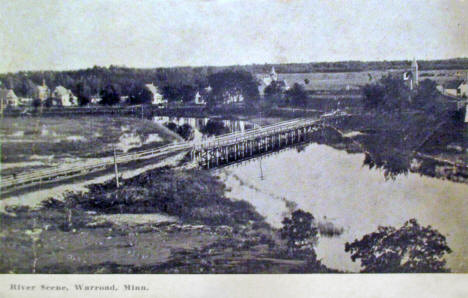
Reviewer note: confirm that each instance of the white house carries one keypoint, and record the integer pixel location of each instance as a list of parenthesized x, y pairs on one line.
[(457, 88), (95, 99), (42, 92), (270, 78), (64, 97), (200, 97), (8, 98), (157, 96)]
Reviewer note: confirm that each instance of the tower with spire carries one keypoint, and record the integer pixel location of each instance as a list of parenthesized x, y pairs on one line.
[(412, 76), (273, 74), (415, 72)]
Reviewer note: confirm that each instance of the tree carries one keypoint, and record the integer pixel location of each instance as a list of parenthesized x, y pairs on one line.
[(171, 93), (139, 94), (389, 93), (27, 88), (214, 127), (426, 96), (412, 248), (275, 90), (297, 95), (300, 232), (110, 95), (187, 93), (373, 95), (229, 83), (83, 93)]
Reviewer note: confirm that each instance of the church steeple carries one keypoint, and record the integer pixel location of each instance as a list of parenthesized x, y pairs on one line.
[(273, 74), (415, 71)]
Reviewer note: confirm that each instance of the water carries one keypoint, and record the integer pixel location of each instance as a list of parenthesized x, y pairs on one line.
[(199, 123), (334, 186)]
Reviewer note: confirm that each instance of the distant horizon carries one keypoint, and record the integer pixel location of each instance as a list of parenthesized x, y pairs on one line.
[(230, 65)]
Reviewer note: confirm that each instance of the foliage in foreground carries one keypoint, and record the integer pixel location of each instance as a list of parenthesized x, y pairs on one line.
[(411, 248)]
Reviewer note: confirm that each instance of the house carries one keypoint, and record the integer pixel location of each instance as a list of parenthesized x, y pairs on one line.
[(457, 88), (8, 98), (269, 79), (157, 96), (61, 96), (42, 92), (124, 98), (199, 99), (232, 98), (95, 99), (201, 96)]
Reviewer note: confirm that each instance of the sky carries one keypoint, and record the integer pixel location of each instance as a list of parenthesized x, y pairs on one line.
[(61, 35)]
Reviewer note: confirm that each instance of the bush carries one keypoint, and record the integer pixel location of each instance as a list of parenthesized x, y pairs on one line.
[(412, 248), (301, 234)]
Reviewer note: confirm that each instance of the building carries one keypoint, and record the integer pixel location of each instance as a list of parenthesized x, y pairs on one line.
[(267, 80), (199, 99), (201, 96), (233, 98), (61, 96), (8, 97), (157, 98), (95, 99), (458, 88), (42, 92), (412, 76)]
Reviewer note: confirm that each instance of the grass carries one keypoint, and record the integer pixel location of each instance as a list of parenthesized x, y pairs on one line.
[(213, 234), (44, 141), (339, 80)]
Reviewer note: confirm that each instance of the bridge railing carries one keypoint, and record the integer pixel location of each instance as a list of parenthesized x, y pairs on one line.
[(47, 174), (230, 139), (87, 167)]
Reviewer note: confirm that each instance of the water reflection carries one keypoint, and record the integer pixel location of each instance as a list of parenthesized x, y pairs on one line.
[(332, 184), (200, 124)]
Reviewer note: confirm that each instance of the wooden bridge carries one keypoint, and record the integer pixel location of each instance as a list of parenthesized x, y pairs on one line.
[(207, 153), (240, 146)]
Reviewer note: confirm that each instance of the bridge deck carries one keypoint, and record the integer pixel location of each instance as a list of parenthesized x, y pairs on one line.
[(59, 173)]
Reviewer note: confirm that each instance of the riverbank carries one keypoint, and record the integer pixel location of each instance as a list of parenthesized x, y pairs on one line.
[(402, 143), (190, 226)]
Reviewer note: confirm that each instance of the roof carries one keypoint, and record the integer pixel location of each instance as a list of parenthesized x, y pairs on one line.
[(152, 88), (5, 93), (454, 84), (61, 91)]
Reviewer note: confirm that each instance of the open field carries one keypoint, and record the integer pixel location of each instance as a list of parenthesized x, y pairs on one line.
[(39, 142), (340, 80)]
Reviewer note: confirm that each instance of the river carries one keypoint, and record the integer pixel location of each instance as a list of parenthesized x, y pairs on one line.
[(335, 187), (199, 123)]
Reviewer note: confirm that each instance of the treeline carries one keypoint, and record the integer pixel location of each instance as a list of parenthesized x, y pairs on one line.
[(176, 82), (352, 66)]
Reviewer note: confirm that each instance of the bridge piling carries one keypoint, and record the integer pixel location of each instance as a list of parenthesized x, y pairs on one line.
[(250, 143)]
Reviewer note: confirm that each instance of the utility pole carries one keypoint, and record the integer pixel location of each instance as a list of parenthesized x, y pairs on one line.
[(116, 170), (261, 170)]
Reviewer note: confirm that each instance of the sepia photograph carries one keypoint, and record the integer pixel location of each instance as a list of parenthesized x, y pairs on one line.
[(231, 137)]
